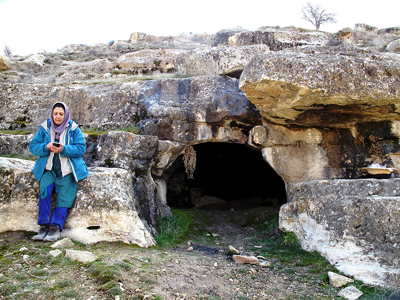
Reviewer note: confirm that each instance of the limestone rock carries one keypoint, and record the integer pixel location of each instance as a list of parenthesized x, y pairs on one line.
[(15, 144), (166, 153), (97, 65), (150, 59), (353, 223), (222, 36), (105, 208), (265, 264), (64, 243), (126, 150), (55, 253), (337, 280), (242, 259), (34, 63), (234, 251), (19, 192), (350, 293), (392, 30), (74, 48), (198, 109), (279, 40), (217, 60), (394, 46), (81, 256), (5, 63), (324, 86)]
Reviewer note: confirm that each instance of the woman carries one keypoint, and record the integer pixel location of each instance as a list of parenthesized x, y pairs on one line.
[(60, 145)]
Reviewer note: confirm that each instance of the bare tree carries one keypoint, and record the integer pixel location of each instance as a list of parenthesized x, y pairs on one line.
[(317, 16), (7, 51)]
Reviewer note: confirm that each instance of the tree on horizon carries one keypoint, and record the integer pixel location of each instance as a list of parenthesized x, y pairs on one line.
[(317, 16)]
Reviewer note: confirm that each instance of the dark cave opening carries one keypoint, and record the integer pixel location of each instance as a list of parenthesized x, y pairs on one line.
[(227, 176)]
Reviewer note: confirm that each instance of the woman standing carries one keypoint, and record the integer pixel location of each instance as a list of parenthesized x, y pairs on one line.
[(60, 145)]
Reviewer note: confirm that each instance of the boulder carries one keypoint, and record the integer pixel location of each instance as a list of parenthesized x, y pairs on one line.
[(33, 63), (279, 40), (394, 46), (142, 61), (217, 60), (85, 257), (323, 87), (366, 28), (352, 223), (97, 65), (5, 63), (350, 293), (105, 208), (338, 280), (126, 150), (243, 259), (222, 36), (15, 144), (392, 30)]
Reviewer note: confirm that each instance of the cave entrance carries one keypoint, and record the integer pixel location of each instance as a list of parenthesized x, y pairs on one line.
[(227, 176)]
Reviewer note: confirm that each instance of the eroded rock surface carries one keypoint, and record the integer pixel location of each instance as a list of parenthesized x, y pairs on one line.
[(105, 208), (323, 87), (353, 223)]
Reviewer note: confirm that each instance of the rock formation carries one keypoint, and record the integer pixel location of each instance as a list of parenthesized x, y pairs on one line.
[(316, 106)]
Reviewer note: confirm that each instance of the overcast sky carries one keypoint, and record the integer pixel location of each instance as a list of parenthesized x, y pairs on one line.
[(31, 26)]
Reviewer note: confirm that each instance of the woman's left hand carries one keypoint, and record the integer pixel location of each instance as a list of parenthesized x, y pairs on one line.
[(56, 149)]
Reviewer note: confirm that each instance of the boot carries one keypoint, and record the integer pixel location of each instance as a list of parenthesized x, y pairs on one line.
[(42, 233), (53, 234)]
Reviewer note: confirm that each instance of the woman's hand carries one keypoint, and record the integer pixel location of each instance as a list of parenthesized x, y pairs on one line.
[(53, 148)]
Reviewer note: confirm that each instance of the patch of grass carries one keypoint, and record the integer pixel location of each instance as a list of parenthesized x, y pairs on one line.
[(64, 283), (94, 132), (103, 272), (8, 289), (20, 156), (242, 271), (70, 294), (123, 265), (17, 131), (171, 230)]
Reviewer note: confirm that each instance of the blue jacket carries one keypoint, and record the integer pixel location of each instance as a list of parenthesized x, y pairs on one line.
[(74, 147)]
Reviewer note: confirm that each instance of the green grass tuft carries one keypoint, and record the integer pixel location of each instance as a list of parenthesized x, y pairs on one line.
[(103, 272), (171, 230)]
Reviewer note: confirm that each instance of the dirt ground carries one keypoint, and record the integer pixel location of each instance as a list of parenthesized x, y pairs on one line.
[(200, 267)]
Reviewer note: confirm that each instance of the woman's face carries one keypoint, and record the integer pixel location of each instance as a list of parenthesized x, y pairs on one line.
[(58, 115)]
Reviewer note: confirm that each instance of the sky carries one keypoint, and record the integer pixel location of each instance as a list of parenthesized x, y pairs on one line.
[(33, 26)]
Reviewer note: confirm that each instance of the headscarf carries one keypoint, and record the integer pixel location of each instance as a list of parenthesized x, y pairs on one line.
[(59, 128)]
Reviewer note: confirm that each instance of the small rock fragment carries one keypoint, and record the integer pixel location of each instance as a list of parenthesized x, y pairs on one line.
[(190, 249), (23, 249), (64, 243), (337, 280), (233, 251), (55, 253), (245, 259), (81, 256), (350, 293), (265, 264)]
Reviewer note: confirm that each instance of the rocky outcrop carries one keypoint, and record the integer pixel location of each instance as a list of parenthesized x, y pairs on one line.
[(147, 61), (106, 206), (215, 61), (198, 109), (323, 87), (353, 223)]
